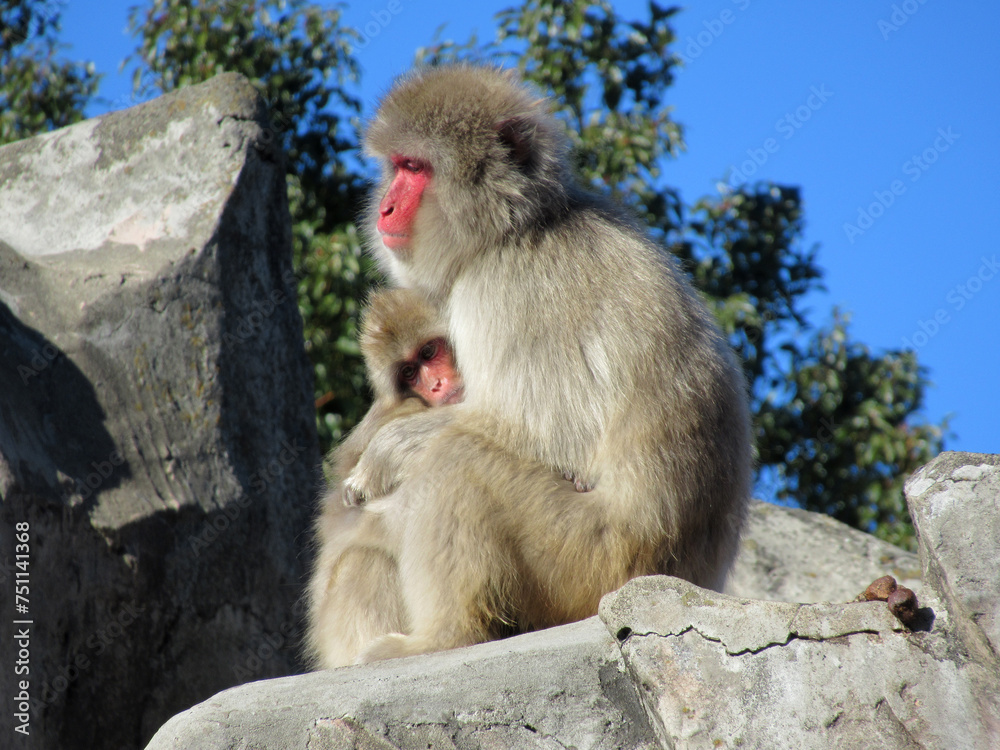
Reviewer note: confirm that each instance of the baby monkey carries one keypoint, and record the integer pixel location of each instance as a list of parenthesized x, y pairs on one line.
[(410, 368), (406, 352), (353, 592)]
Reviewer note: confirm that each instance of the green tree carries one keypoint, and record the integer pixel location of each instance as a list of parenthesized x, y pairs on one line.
[(39, 91)]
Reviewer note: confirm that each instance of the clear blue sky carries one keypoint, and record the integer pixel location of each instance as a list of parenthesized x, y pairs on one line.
[(892, 100)]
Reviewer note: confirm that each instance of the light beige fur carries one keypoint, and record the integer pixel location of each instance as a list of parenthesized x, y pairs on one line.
[(353, 593), (585, 351)]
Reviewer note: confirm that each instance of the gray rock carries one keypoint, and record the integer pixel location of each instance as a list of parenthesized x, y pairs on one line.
[(558, 688), (669, 606), (156, 427), (717, 671), (722, 671), (793, 555), (955, 504)]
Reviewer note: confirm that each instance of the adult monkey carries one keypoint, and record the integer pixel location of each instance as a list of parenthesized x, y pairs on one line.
[(584, 350)]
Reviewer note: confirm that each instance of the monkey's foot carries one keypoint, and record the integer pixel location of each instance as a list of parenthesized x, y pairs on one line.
[(391, 646)]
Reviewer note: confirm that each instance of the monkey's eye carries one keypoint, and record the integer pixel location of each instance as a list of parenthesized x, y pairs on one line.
[(401, 163), (429, 351), (408, 374)]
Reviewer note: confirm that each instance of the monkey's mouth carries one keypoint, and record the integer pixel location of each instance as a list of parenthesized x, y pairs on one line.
[(455, 396), (395, 241)]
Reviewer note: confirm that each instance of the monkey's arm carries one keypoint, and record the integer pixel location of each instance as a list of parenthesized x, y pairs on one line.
[(349, 452), (390, 452)]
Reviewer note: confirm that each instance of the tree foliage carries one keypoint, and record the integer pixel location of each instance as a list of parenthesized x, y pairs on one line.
[(840, 431), (836, 424), (39, 91)]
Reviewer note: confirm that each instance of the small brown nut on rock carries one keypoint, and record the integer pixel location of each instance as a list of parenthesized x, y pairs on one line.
[(879, 589), (903, 604)]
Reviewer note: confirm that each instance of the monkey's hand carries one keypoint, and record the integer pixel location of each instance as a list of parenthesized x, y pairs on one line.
[(580, 485), (391, 453), (351, 495)]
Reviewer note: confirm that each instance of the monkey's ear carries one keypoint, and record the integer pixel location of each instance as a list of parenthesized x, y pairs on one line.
[(517, 134)]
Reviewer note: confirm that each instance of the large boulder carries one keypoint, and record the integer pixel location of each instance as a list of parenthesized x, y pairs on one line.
[(158, 451), (717, 671), (955, 504), (563, 687)]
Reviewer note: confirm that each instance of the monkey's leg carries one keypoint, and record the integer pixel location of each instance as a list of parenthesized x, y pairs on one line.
[(458, 572), (354, 594), (537, 554), (362, 603)]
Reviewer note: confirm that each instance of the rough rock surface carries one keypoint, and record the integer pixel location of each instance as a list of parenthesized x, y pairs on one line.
[(717, 671), (793, 555), (955, 504), (156, 426), (564, 687)]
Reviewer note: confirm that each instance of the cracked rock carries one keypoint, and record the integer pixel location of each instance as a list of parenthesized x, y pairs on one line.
[(716, 671), (955, 504), (663, 605), (720, 671)]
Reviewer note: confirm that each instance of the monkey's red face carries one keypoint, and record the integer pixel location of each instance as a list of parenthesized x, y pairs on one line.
[(398, 208), (431, 374)]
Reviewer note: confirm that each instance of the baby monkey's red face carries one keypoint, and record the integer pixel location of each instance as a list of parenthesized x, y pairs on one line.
[(430, 373)]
